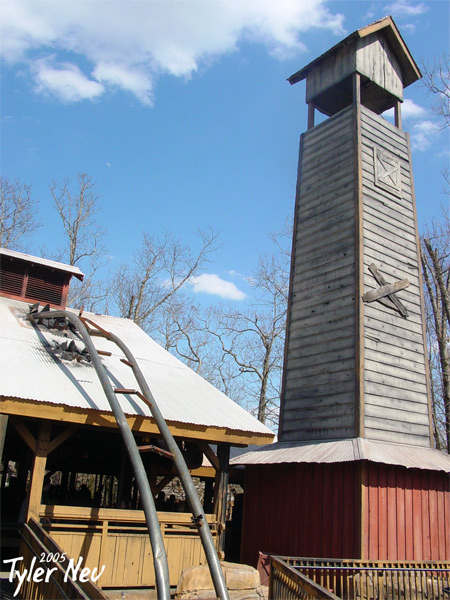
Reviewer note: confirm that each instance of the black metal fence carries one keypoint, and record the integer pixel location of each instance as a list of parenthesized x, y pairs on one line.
[(291, 578)]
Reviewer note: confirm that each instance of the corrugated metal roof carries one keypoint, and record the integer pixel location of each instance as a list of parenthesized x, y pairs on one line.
[(32, 369), (412, 457), (42, 261)]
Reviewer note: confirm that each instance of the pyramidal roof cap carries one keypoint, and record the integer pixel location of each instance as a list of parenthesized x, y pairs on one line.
[(410, 70)]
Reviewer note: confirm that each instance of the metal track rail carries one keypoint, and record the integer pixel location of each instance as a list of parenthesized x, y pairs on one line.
[(148, 504), (146, 395)]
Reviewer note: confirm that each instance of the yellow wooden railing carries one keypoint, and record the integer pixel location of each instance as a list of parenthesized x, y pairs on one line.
[(44, 573), (118, 540)]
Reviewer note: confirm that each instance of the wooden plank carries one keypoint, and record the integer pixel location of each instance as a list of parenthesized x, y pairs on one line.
[(391, 514), (319, 363), (376, 390), (321, 296), (392, 413), (383, 376), (385, 290), (299, 335), (327, 268), (413, 404), (388, 218), (396, 437), (400, 232), (318, 228), (379, 322), (330, 314), (315, 248), (332, 282), (315, 193), (393, 319), (394, 347), (332, 126), (314, 406), (336, 343), (326, 377), (383, 137), (396, 361), (318, 389), (319, 435), (376, 240), (397, 427)]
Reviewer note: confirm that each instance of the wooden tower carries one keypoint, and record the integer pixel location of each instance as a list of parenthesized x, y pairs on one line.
[(355, 355), (354, 460)]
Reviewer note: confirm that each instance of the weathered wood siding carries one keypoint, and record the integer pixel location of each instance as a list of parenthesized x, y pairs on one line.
[(375, 60), (395, 385), (319, 377)]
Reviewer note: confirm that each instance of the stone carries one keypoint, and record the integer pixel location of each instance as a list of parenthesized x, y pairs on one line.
[(243, 583)]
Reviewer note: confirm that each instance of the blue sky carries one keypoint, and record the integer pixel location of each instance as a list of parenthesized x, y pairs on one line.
[(181, 112)]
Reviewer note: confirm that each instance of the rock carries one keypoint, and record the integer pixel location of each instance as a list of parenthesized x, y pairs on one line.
[(242, 581)]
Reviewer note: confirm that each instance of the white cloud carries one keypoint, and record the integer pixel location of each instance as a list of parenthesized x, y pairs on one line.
[(406, 8), (411, 110), (422, 130), (422, 135), (66, 82), (210, 283), (128, 43)]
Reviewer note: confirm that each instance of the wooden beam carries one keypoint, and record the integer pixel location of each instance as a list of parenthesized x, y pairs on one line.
[(3, 428), (62, 437), (38, 471), (356, 88), (84, 416), (25, 434), (220, 495), (162, 484), (386, 290), (398, 114), (311, 112), (208, 452), (379, 278)]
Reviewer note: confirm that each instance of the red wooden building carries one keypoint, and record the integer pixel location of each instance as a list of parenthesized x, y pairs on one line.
[(354, 474)]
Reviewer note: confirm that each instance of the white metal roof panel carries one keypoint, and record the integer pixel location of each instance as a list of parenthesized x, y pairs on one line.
[(42, 261), (32, 369), (412, 457)]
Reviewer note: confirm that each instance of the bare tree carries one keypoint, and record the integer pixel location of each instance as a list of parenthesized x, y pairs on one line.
[(435, 258), (141, 291), (17, 214), (84, 236), (252, 340), (436, 79)]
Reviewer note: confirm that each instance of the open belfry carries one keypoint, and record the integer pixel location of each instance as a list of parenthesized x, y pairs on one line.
[(354, 473)]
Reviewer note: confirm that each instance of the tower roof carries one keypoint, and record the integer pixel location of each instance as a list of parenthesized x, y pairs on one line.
[(386, 25)]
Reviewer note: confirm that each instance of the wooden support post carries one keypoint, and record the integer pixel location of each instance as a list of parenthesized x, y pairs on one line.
[(38, 471), (220, 495), (3, 427), (398, 114), (311, 112), (356, 88)]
